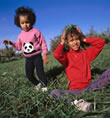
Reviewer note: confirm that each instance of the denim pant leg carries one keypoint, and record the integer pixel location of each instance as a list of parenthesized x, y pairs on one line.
[(29, 68), (38, 62), (103, 79)]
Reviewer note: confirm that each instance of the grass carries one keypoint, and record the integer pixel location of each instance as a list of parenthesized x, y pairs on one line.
[(19, 99)]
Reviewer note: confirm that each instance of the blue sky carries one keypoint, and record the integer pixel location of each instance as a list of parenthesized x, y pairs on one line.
[(54, 15)]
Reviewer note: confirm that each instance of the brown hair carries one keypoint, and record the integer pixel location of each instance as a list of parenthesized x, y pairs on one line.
[(24, 11), (71, 30)]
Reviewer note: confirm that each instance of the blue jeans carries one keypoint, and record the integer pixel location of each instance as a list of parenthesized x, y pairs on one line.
[(35, 62)]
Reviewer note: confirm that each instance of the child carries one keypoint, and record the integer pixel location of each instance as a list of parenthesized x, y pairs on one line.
[(32, 43), (77, 62)]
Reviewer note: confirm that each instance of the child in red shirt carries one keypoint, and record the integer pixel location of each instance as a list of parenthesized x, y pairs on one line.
[(77, 62)]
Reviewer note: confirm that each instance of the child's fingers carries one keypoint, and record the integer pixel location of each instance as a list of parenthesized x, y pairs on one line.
[(62, 38), (63, 34), (46, 61), (9, 42), (78, 29), (5, 41)]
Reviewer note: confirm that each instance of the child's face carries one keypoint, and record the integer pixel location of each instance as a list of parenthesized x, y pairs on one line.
[(73, 42), (24, 23)]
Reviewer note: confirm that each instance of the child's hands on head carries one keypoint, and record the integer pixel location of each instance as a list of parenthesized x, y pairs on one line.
[(63, 38), (83, 36), (7, 42), (78, 29), (45, 59)]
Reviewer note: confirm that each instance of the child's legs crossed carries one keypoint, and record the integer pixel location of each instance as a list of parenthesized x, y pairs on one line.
[(29, 68), (103, 79), (38, 62)]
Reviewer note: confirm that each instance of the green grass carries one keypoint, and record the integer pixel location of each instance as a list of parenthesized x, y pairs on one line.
[(19, 99)]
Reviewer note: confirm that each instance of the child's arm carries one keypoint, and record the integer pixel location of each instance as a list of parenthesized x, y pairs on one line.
[(44, 49), (8, 42), (16, 45), (63, 38), (83, 36), (59, 54), (97, 44)]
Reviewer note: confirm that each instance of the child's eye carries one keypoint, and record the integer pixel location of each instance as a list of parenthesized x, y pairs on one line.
[(27, 22), (22, 23), (71, 40)]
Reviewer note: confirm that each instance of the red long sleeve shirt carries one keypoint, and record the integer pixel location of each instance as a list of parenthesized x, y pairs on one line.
[(77, 63)]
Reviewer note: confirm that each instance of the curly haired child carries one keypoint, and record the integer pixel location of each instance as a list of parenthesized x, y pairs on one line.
[(32, 43)]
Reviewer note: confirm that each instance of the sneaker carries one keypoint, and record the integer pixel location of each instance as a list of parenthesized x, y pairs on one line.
[(40, 87), (44, 89), (82, 105)]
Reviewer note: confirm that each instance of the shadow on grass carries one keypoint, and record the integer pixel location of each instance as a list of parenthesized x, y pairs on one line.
[(97, 71), (54, 72)]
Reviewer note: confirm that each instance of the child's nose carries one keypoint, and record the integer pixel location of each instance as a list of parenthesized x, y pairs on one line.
[(25, 24), (75, 41)]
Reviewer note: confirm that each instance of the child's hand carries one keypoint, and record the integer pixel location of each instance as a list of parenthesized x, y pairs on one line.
[(63, 38), (7, 42), (84, 40), (78, 29), (45, 59), (83, 36)]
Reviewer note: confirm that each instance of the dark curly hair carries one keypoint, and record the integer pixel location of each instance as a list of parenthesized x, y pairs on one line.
[(71, 30), (25, 12)]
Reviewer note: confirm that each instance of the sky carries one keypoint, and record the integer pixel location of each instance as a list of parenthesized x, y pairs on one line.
[(54, 15)]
